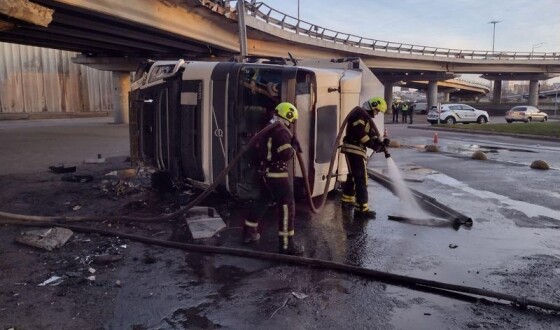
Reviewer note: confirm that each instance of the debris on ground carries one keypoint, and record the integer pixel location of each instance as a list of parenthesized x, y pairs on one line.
[(453, 246), (299, 295), (204, 222), (52, 281), (62, 169), (47, 239), (104, 259), (82, 178), (98, 160)]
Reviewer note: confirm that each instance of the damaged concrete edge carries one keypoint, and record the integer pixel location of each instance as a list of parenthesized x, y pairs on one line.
[(26, 11)]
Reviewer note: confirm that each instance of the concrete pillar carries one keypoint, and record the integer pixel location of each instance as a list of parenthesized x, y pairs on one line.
[(497, 97), (388, 95), (446, 96), (121, 87), (534, 93), (431, 96)]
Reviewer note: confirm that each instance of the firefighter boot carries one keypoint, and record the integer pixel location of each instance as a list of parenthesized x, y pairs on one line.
[(364, 214), (250, 235), (292, 248), (348, 202)]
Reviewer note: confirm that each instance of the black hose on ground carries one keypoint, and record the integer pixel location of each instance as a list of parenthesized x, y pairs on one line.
[(194, 202), (407, 281)]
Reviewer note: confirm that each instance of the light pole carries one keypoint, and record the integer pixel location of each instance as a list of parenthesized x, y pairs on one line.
[(298, 10), (494, 22), (540, 44)]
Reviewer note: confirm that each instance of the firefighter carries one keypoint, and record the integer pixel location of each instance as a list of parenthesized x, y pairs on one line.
[(360, 135), (278, 148)]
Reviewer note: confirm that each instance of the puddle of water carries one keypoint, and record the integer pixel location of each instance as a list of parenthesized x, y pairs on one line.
[(531, 210)]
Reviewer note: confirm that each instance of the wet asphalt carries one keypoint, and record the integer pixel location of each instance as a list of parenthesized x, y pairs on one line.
[(512, 247)]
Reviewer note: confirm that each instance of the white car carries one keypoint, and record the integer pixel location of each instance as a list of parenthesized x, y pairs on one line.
[(457, 113)]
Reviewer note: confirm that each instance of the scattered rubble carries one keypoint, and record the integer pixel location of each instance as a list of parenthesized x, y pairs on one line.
[(47, 239)]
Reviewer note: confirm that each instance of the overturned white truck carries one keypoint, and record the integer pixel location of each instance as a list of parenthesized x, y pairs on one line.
[(191, 118)]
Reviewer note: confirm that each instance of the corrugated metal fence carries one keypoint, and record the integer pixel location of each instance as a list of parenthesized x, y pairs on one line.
[(41, 80)]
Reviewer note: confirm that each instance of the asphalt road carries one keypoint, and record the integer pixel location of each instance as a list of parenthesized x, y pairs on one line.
[(512, 247)]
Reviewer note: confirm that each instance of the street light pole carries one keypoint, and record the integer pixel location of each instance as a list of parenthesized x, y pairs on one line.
[(536, 46), (298, 10), (494, 22)]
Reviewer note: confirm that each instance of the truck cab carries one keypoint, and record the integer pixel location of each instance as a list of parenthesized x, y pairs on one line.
[(191, 119)]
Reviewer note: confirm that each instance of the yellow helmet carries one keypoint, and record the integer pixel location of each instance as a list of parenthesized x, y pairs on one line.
[(377, 103), (287, 111)]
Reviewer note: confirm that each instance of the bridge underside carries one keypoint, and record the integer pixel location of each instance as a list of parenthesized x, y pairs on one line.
[(96, 34)]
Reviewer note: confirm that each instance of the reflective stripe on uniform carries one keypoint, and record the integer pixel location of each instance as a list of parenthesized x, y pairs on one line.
[(251, 224), (366, 129), (285, 211), (348, 199), (283, 147), (286, 233), (353, 149), (362, 207), (269, 149), (364, 139), (358, 122), (277, 175)]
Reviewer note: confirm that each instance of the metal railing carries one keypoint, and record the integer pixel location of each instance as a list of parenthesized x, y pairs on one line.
[(265, 13)]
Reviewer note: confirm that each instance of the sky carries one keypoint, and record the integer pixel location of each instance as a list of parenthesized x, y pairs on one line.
[(525, 25)]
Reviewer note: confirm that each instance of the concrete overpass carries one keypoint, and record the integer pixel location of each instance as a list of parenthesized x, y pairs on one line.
[(116, 34)]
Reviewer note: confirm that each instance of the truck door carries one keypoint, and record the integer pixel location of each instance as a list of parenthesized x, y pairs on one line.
[(260, 89)]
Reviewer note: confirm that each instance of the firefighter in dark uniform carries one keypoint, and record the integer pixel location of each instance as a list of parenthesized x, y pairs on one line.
[(359, 136), (279, 147)]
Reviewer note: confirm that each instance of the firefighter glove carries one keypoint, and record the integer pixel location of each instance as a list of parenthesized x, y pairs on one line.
[(378, 146), (386, 142)]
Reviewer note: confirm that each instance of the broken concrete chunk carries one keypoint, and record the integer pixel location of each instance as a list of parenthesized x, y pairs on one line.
[(106, 258), (47, 239), (204, 222)]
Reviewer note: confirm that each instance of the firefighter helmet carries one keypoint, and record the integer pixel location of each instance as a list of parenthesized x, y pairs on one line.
[(377, 103), (287, 111)]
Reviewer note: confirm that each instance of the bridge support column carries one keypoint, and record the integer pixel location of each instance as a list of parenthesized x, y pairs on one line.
[(388, 95), (497, 96), (534, 93), (432, 93), (446, 96), (121, 87)]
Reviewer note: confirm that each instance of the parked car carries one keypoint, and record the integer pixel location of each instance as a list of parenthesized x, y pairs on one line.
[(421, 108), (457, 113), (525, 113)]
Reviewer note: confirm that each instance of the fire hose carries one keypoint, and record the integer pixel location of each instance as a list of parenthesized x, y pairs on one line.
[(418, 283), (402, 280)]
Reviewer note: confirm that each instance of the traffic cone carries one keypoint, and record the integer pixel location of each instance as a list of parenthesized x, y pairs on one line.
[(435, 138), (385, 135)]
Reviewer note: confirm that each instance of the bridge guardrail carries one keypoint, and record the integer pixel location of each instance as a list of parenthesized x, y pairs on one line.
[(289, 23)]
